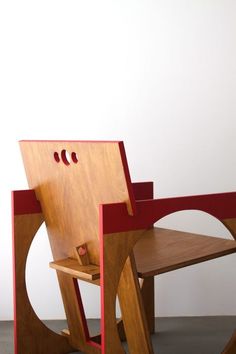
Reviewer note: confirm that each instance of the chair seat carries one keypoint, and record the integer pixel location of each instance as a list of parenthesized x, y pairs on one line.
[(162, 250)]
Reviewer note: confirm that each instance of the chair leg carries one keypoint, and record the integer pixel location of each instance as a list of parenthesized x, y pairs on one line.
[(231, 346), (30, 333), (133, 313), (148, 295)]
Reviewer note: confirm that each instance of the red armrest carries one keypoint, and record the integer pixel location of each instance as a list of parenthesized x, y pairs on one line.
[(116, 219)]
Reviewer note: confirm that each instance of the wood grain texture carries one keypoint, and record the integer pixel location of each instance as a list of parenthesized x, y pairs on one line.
[(81, 254), (70, 194), (231, 226), (132, 309), (71, 180), (148, 300), (148, 297), (115, 249), (72, 267), (31, 335), (162, 250), (78, 330)]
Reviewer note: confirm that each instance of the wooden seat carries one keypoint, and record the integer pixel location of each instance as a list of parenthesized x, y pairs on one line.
[(100, 227), (163, 250)]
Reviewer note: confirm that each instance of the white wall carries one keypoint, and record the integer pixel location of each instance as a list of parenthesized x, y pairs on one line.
[(161, 76)]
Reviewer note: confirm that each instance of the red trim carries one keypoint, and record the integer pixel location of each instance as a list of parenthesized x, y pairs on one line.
[(14, 274), (84, 321), (70, 141), (81, 308), (127, 177), (116, 219), (25, 202), (94, 344), (102, 277), (143, 190)]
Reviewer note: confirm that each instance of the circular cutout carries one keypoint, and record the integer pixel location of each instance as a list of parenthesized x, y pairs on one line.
[(194, 221), (65, 156), (41, 279), (56, 157), (74, 157)]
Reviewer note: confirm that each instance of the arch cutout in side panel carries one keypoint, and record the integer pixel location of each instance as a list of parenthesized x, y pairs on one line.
[(195, 221), (41, 282)]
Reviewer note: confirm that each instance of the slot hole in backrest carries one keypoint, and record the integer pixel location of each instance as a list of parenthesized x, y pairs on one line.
[(65, 156), (74, 157), (56, 157)]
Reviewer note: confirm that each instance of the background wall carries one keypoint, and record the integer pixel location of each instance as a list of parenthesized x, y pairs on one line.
[(159, 75)]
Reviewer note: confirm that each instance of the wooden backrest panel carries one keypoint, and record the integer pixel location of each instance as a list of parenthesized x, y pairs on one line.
[(71, 179)]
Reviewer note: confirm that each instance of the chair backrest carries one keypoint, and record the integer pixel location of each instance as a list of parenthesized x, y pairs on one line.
[(71, 179)]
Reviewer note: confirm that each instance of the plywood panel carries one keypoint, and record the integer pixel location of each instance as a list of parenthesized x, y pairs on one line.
[(162, 250), (71, 186)]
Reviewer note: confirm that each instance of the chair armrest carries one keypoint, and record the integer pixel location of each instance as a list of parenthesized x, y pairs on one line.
[(116, 219)]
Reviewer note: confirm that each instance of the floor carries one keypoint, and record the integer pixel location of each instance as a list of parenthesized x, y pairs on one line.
[(195, 335)]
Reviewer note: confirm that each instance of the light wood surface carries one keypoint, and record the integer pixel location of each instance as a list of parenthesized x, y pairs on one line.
[(148, 297), (86, 196), (30, 334), (112, 281), (231, 226), (70, 194), (78, 329), (82, 256), (162, 250), (135, 322), (72, 267)]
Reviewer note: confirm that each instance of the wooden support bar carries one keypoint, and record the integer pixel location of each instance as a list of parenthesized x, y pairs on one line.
[(82, 255), (30, 333), (148, 292), (78, 334), (133, 313), (72, 267)]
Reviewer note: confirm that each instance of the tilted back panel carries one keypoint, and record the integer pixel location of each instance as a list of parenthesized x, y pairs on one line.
[(71, 179)]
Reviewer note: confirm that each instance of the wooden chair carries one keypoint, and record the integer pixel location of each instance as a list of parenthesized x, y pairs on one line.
[(100, 227)]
